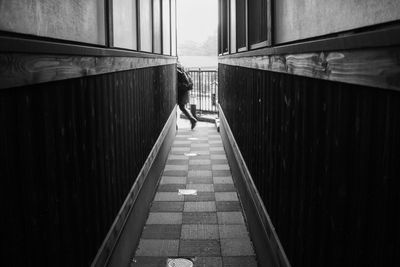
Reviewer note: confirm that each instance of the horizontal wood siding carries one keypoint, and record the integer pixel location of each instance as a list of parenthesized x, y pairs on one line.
[(70, 152), (325, 158)]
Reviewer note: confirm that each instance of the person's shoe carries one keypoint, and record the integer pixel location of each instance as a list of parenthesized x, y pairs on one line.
[(193, 122)]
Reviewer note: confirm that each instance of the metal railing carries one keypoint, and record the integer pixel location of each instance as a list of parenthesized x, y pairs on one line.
[(205, 90)]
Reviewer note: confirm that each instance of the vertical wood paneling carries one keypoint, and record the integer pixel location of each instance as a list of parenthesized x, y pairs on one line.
[(70, 152), (324, 157)]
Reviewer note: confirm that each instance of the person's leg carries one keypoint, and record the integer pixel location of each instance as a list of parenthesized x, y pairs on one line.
[(192, 119)]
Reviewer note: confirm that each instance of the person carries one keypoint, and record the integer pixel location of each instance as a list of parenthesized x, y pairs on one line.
[(185, 84)]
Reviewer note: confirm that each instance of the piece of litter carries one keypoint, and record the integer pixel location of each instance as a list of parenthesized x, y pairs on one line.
[(179, 262), (190, 154), (192, 192)]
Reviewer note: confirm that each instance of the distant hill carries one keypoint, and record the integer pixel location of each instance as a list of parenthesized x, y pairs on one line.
[(207, 48)]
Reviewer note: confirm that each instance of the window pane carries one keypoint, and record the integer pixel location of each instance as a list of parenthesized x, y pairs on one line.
[(166, 27), (258, 14), (173, 26), (146, 26), (157, 26), (74, 20), (233, 26), (124, 26), (241, 21), (224, 23)]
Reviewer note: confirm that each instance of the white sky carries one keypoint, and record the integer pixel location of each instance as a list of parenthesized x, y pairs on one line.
[(197, 19)]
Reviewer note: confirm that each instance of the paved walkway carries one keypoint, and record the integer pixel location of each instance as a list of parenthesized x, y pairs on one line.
[(209, 228)]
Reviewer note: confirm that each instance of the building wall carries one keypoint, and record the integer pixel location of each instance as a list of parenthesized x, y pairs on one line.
[(324, 158), (70, 152), (74, 20), (296, 20)]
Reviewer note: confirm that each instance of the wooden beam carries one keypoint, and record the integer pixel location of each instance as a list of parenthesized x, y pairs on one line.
[(24, 69), (369, 67)]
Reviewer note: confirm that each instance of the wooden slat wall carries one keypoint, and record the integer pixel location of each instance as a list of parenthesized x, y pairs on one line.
[(325, 158), (70, 152)]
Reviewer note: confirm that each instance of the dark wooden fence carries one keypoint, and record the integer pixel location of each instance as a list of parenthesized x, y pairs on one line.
[(325, 158), (69, 153)]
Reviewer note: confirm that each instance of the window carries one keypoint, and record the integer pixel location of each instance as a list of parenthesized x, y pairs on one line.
[(244, 25), (78, 20), (223, 38), (166, 26), (125, 24), (233, 26), (157, 26), (173, 27), (146, 25), (241, 25), (258, 23)]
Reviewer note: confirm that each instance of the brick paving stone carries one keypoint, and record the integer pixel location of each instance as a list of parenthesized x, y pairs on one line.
[(201, 196), (173, 180), (224, 188), (161, 231), (198, 248), (180, 149), (170, 187), (144, 261), (208, 262), (180, 142), (228, 206), (230, 218), (223, 180), (200, 145), (217, 148), (240, 261), (201, 187), (177, 157), (183, 135), (219, 167), (215, 141), (217, 152), (226, 196), (180, 145), (203, 140), (194, 148), (176, 167), (233, 231), (150, 247), (193, 173), (177, 162), (200, 180), (164, 218), (200, 206), (199, 218), (201, 157), (237, 247), (223, 173), (168, 196), (200, 152), (218, 156), (219, 161), (199, 162), (199, 231), (200, 167), (175, 172), (216, 145), (170, 206)]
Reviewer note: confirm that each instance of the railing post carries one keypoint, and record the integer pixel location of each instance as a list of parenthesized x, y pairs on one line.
[(199, 86)]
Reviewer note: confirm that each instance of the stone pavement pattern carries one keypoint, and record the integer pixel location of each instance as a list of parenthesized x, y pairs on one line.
[(209, 227)]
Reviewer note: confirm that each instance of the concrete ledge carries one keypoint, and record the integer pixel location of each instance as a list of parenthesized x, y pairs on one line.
[(266, 242), (123, 236)]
